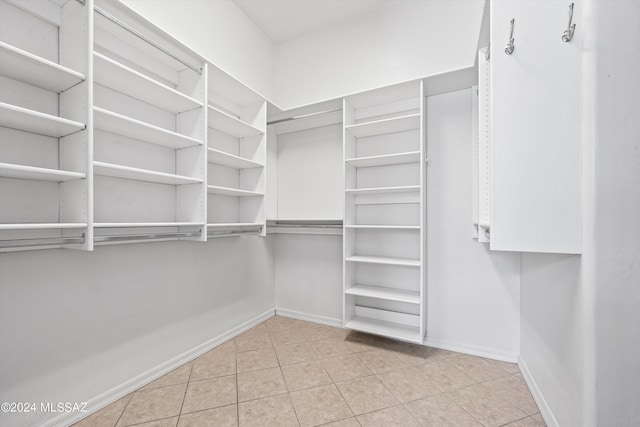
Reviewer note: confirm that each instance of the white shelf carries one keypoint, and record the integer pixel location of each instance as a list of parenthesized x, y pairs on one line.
[(122, 125), (121, 78), (384, 126), (383, 227), (8, 170), (15, 117), (226, 191), (396, 330), (26, 67), (381, 190), (411, 297), (384, 260), (234, 224), (126, 172), (225, 159), (230, 125), (384, 160), (43, 226)]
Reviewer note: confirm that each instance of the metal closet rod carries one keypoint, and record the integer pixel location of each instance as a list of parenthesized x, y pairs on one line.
[(41, 241), (303, 116), (233, 233), (145, 236), (307, 224), (136, 33)]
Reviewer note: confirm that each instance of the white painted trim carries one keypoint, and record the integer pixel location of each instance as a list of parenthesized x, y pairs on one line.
[(96, 403), (329, 321), (545, 410), (475, 350)]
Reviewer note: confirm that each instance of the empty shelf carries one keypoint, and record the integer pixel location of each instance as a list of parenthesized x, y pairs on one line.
[(26, 67), (234, 224), (383, 227), (15, 117), (226, 191), (230, 125), (122, 125), (8, 170), (400, 295), (114, 75), (384, 160), (384, 260), (380, 327), (43, 226), (384, 126), (126, 172), (381, 190), (225, 159), (145, 224)]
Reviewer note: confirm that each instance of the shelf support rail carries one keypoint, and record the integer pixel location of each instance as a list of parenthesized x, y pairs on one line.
[(138, 34)]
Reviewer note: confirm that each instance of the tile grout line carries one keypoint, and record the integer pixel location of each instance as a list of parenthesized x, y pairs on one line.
[(125, 408), (235, 354), (184, 397)]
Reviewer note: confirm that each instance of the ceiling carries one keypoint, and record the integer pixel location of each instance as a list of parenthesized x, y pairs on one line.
[(284, 20)]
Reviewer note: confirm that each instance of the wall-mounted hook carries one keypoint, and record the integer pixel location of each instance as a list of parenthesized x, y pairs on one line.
[(567, 35), (510, 47)]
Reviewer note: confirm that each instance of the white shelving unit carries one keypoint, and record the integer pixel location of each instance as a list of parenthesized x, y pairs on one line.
[(236, 156), (384, 226), (150, 130), (45, 124)]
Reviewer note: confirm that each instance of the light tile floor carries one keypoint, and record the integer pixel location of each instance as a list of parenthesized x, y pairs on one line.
[(287, 372)]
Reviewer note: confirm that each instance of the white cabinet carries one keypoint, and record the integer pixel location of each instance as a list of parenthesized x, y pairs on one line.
[(535, 103)]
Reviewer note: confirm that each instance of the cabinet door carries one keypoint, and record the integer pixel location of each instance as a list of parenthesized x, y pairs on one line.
[(535, 127)]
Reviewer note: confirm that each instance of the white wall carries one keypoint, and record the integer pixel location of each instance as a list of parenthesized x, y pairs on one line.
[(77, 324), (580, 318), (472, 293), (219, 31), (616, 229), (551, 322), (401, 41), (308, 276)]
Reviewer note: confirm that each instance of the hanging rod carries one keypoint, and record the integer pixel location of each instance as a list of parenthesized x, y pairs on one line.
[(233, 233), (303, 116), (136, 33), (42, 241), (320, 223), (147, 236)]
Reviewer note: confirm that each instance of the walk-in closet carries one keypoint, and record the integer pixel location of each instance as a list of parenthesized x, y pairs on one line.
[(319, 213)]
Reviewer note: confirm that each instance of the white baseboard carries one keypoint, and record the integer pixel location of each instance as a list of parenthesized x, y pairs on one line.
[(474, 350), (110, 396), (545, 410), (329, 321)]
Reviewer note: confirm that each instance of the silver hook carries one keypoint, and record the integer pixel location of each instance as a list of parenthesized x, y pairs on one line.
[(510, 47), (567, 35)]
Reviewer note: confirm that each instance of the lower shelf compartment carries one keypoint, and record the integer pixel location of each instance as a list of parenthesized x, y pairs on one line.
[(387, 329)]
